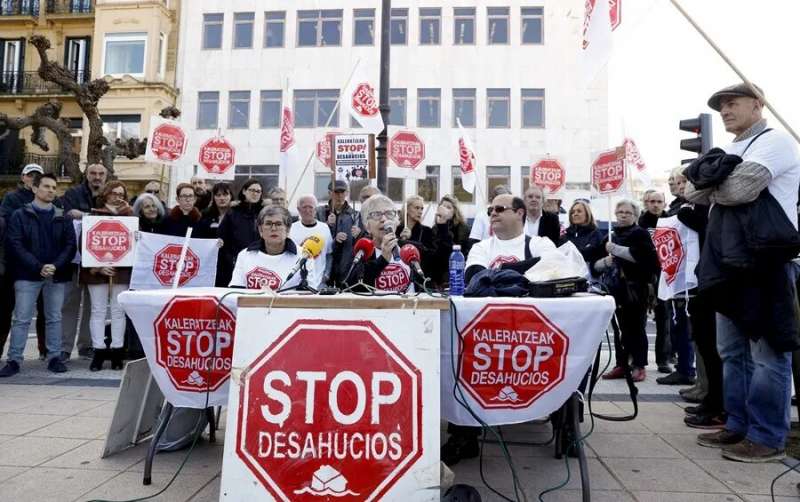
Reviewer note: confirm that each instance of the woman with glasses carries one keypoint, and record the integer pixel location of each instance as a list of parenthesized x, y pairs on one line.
[(450, 229), (383, 270), (105, 284), (238, 228), (267, 262), (627, 270), (583, 232), (184, 215)]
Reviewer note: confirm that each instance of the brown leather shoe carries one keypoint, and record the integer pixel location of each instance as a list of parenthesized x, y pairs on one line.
[(719, 439), (753, 453), (615, 374)]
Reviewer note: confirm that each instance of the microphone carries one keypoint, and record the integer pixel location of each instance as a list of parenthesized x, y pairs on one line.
[(364, 248), (311, 248), (389, 228), (410, 256)]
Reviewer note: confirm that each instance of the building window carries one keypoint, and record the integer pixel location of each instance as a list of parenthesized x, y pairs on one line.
[(498, 25), (243, 30), (267, 175), (124, 54), (399, 27), (76, 58), (532, 25), (458, 188), (397, 105), (430, 26), (238, 109), (122, 127), (429, 107), (212, 31), (464, 107), (395, 189), (428, 188), (207, 110), (274, 28), (319, 28), (532, 107), (270, 109), (364, 27), (321, 181), (525, 178), (314, 108), (498, 108), (496, 176), (464, 26)]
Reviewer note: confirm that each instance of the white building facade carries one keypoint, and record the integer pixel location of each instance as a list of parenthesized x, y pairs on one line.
[(509, 69)]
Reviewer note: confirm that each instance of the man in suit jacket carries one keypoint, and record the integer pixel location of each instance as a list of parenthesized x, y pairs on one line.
[(538, 222)]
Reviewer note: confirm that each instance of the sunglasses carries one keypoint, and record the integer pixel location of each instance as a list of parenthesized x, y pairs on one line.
[(497, 209), (153, 192)]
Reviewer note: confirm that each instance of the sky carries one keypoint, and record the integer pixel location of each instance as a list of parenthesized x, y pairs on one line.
[(662, 70)]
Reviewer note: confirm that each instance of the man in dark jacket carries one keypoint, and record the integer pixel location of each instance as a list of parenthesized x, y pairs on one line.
[(24, 192), (341, 218), (77, 201), (538, 222), (41, 245), (202, 193)]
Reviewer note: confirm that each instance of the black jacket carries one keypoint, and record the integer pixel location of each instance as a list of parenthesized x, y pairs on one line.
[(649, 220), (15, 200), (588, 240), (78, 197), (550, 227), (237, 231), (346, 219), (176, 223), (445, 236), (25, 246), (149, 226), (641, 246)]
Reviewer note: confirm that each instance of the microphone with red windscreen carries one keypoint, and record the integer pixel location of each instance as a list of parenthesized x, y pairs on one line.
[(410, 256), (363, 249)]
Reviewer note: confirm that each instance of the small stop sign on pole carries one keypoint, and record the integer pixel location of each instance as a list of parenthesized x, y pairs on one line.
[(406, 149), (549, 175), (608, 171), (217, 156)]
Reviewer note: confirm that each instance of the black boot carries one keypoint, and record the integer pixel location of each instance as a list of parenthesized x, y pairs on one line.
[(99, 357), (116, 358)]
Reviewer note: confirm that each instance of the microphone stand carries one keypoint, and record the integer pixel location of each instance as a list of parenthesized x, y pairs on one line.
[(303, 285)]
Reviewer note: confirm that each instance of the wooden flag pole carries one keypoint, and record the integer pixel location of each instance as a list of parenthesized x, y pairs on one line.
[(735, 69)]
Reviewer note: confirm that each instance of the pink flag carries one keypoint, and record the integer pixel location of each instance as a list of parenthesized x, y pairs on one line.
[(634, 158), (466, 155), (288, 149)]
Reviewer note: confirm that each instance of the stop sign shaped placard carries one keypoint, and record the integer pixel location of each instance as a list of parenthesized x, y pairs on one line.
[(406, 149), (109, 241), (217, 155), (194, 342), (262, 278), (364, 102), (512, 355), (549, 175), (165, 264), (608, 171), (169, 142), (670, 251), (316, 423)]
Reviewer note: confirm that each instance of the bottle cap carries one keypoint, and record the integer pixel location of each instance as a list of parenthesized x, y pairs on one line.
[(456, 247)]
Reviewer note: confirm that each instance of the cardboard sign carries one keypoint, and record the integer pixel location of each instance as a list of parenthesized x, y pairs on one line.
[(353, 156), (108, 241), (549, 175), (167, 141), (608, 171), (218, 158)]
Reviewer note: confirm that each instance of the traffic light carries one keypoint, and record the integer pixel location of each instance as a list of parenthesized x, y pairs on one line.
[(701, 126)]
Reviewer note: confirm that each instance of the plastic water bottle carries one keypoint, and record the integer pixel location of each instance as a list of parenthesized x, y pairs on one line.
[(457, 264)]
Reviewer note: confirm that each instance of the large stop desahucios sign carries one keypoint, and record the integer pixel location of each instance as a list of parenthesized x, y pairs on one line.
[(322, 424), (194, 343), (512, 355)]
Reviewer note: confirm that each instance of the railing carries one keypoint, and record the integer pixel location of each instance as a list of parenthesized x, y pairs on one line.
[(29, 82), (50, 163), (19, 7), (70, 6)]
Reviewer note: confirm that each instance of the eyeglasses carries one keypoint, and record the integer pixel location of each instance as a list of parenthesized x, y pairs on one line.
[(153, 192), (623, 213), (377, 215), (275, 225), (186, 196), (117, 194), (498, 209)]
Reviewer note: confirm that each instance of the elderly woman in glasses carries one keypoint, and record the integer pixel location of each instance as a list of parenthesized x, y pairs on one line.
[(382, 270), (629, 267), (267, 262)]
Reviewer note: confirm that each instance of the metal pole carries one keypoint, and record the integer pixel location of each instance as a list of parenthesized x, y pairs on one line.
[(386, 17)]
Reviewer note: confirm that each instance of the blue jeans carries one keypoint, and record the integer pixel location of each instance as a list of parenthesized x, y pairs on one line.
[(25, 294), (756, 383), (679, 330)]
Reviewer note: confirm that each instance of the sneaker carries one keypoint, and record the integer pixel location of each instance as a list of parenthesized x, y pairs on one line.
[(458, 448), (65, 356), (748, 451), (665, 368), (719, 439), (615, 374), (700, 409), (706, 421), (56, 366), (10, 369), (675, 378)]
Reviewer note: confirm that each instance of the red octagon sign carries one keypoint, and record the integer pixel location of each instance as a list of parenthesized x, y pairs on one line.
[(324, 148), (364, 102), (217, 155), (513, 354), (549, 175), (169, 142), (165, 264), (262, 278), (315, 422), (194, 344), (608, 171), (670, 251), (406, 149), (109, 241)]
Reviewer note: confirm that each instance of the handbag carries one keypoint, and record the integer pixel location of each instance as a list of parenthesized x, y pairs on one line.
[(769, 234), (618, 286)]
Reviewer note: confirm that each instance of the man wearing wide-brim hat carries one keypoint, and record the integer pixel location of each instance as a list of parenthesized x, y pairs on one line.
[(756, 362)]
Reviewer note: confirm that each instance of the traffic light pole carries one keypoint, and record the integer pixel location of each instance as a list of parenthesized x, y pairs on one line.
[(383, 137)]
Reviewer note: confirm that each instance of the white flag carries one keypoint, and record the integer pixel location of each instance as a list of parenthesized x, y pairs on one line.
[(596, 42), (634, 159), (289, 159), (466, 155), (361, 101)]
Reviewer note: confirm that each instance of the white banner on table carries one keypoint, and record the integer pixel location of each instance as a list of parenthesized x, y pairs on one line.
[(188, 341), (157, 259), (521, 357), (325, 404), (108, 241)]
